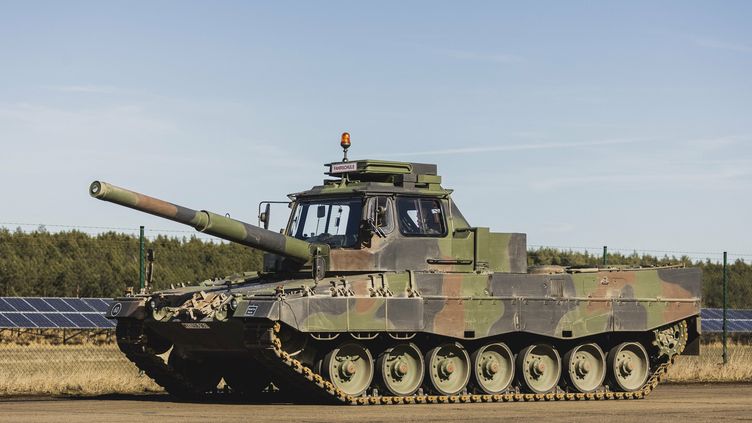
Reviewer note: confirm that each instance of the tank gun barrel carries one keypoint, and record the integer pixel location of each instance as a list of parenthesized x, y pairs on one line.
[(206, 222)]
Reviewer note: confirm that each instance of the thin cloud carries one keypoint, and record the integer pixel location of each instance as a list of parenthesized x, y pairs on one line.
[(523, 147), (480, 56), (716, 143), (85, 89), (694, 178), (723, 45)]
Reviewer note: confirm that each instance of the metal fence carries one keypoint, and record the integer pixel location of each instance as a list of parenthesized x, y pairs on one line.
[(63, 346), (66, 361)]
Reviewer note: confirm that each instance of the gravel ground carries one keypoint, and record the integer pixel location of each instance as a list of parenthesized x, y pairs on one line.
[(686, 403)]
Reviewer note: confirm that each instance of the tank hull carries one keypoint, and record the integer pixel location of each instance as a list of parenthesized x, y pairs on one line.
[(462, 306), (377, 311)]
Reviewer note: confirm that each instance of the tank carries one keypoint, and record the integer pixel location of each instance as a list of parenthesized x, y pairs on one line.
[(379, 291)]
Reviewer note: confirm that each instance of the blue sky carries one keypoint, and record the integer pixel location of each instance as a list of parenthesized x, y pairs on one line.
[(579, 123)]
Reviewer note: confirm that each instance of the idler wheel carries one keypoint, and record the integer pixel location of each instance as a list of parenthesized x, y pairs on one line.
[(401, 369), (448, 368), (585, 367), (349, 367), (628, 366), (493, 368), (538, 368)]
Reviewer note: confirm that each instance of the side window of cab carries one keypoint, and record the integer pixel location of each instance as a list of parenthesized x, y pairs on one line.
[(420, 217), (384, 214), (380, 212)]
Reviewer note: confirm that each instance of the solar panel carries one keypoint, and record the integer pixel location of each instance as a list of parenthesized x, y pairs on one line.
[(20, 320), (80, 320), (39, 304), (743, 314), (99, 304), (101, 321), (717, 313), (58, 304), (730, 314), (60, 320), (5, 323), (78, 305), (4, 306), (711, 313), (50, 312), (712, 326), (40, 320), (19, 304)]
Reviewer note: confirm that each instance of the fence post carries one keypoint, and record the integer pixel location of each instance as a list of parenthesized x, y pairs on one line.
[(141, 269), (725, 306), (605, 252)]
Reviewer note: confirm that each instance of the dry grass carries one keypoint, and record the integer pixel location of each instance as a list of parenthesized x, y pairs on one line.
[(708, 366), (68, 370)]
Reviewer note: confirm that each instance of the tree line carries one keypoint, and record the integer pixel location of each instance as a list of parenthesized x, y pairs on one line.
[(77, 264)]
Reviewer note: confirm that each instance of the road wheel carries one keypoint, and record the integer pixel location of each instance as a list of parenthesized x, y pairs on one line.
[(448, 368), (538, 368), (401, 369), (585, 367), (493, 368), (628, 366), (349, 367)]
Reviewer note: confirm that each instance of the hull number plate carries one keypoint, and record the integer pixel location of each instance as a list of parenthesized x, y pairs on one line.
[(195, 325)]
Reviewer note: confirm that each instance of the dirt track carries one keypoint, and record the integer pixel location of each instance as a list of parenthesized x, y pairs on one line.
[(687, 403)]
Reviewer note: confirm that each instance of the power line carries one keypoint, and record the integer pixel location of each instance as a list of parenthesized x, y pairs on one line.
[(94, 227)]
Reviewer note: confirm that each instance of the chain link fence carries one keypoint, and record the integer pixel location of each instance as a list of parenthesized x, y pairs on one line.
[(67, 362), (709, 365)]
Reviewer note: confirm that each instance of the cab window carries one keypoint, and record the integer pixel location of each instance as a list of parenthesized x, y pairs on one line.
[(383, 212), (420, 217), (333, 222)]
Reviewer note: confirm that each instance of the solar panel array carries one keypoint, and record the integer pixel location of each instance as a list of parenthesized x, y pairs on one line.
[(54, 313), (736, 320)]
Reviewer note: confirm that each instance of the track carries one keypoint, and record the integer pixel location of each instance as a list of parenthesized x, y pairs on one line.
[(314, 387), (687, 403), (276, 355)]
